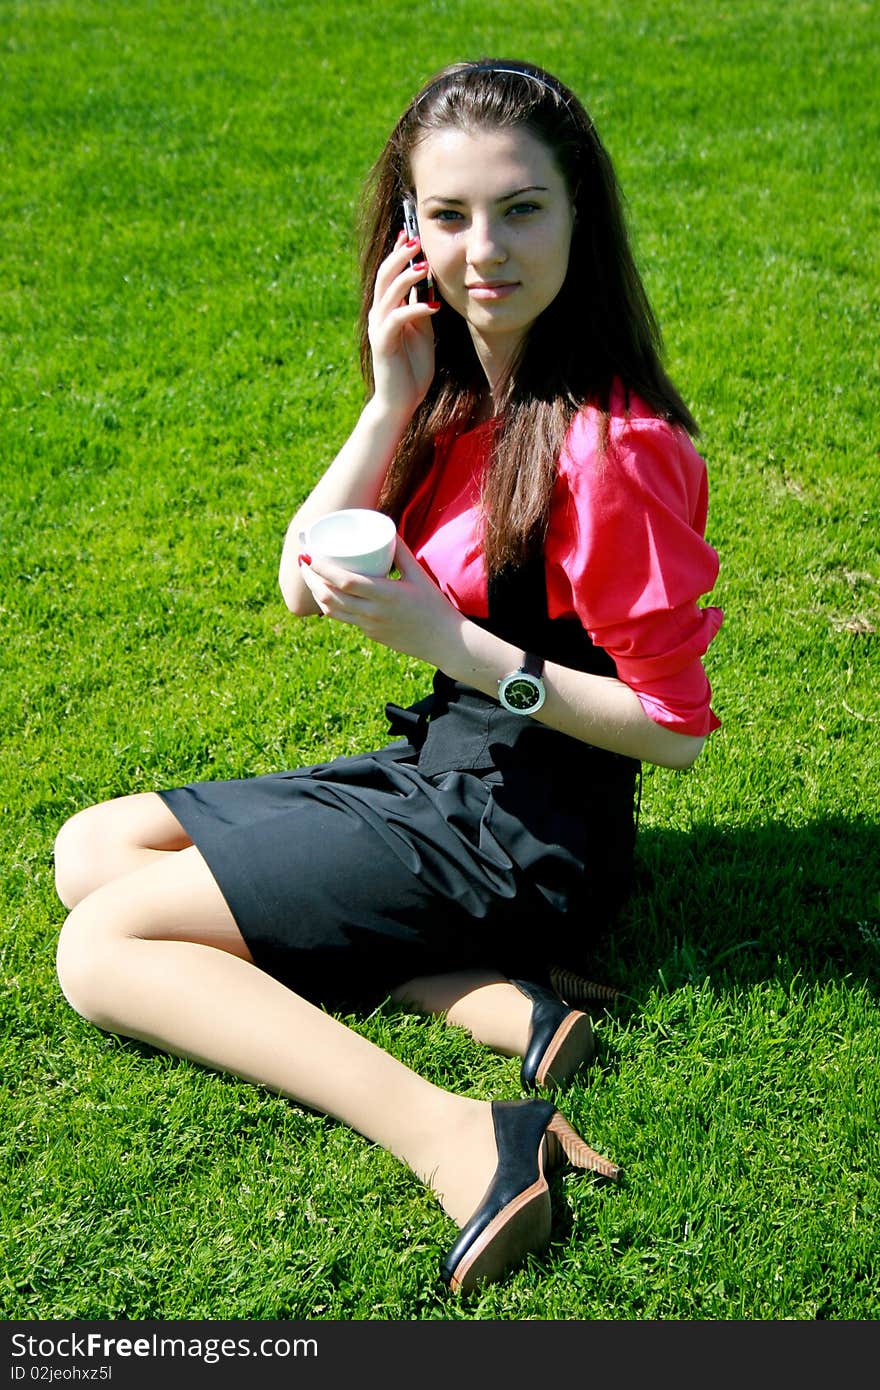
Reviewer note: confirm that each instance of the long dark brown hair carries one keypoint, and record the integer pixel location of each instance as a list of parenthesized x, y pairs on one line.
[(599, 329)]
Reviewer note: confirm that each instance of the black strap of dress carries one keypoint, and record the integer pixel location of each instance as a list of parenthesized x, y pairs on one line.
[(518, 612), (459, 728)]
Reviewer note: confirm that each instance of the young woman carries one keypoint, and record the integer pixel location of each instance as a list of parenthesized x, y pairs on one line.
[(551, 510)]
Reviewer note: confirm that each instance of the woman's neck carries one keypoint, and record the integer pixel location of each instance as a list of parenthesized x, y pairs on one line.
[(496, 358)]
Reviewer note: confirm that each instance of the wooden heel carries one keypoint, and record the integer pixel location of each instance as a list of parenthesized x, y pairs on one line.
[(578, 1153), (575, 990)]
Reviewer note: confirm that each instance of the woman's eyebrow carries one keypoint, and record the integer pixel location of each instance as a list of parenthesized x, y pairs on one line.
[(505, 197)]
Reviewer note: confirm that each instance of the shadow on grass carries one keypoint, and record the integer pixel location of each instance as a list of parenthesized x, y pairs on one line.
[(744, 905)]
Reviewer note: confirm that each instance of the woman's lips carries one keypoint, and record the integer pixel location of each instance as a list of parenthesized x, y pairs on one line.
[(500, 290)]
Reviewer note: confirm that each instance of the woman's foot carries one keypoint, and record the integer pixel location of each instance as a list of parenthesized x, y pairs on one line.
[(560, 1039), (512, 1219)]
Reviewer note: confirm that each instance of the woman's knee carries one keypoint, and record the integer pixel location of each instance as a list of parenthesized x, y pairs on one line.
[(109, 840), (77, 852), (83, 961)]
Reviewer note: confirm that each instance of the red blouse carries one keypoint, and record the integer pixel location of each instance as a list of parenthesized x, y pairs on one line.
[(625, 550)]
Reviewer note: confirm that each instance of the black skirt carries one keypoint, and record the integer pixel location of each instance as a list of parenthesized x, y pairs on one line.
[(492, 843)]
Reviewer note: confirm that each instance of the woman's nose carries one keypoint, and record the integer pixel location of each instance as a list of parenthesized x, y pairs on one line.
[(485, 243)]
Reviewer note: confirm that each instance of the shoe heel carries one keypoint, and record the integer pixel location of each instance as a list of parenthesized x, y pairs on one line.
[(578, 1153), (576, 991)]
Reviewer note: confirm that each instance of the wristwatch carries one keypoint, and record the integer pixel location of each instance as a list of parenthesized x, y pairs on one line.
[(522, 691)]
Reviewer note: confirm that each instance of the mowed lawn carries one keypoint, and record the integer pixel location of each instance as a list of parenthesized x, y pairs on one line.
[(178, 291)]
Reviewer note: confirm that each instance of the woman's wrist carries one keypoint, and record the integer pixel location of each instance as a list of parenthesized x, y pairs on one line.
[(384, 414), (476, 657)]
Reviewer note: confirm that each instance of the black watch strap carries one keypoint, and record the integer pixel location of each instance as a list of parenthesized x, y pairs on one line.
[(533, 665)]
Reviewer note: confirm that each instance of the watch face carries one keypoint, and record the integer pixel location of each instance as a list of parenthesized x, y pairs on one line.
[(521, 693)]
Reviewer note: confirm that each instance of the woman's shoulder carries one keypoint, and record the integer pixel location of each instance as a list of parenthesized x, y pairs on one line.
[(594, 430), (631, 448)]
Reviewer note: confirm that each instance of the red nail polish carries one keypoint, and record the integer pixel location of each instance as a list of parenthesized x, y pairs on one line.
[(412, 243), (420, 266), (303, 559), (433, 303)]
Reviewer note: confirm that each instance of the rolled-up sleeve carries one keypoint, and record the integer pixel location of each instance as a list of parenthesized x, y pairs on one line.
[(626, 553)]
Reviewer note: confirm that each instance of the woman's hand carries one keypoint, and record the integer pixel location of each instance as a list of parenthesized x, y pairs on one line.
[(409, 614), (400, 332)]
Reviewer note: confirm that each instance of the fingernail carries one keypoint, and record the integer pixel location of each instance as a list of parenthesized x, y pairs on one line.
[(303, 559), (433, 303), (420, 266), (412, 243)]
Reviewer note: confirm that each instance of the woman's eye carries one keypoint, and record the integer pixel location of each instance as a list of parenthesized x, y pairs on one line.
[(451, 216)]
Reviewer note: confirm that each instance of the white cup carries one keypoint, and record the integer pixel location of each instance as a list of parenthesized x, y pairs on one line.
[(359, 539)]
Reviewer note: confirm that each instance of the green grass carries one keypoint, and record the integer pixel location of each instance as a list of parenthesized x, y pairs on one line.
[(178, 296)]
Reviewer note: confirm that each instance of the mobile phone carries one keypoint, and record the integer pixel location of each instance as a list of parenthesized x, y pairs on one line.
[(425, 291)]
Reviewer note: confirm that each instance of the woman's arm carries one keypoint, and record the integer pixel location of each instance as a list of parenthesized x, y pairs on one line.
[(601, 710), (402, 347)]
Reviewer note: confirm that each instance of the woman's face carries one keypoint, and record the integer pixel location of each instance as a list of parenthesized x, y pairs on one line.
[(496, 222)]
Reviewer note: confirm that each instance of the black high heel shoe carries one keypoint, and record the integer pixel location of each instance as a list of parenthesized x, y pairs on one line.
[(560, 1039), (513, 1219)]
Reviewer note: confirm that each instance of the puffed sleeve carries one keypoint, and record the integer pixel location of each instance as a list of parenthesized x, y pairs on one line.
[(626, 553)]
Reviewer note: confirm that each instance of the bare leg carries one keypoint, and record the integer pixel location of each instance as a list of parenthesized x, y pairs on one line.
[(486, 1004), (111, 839), (155, 955)]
